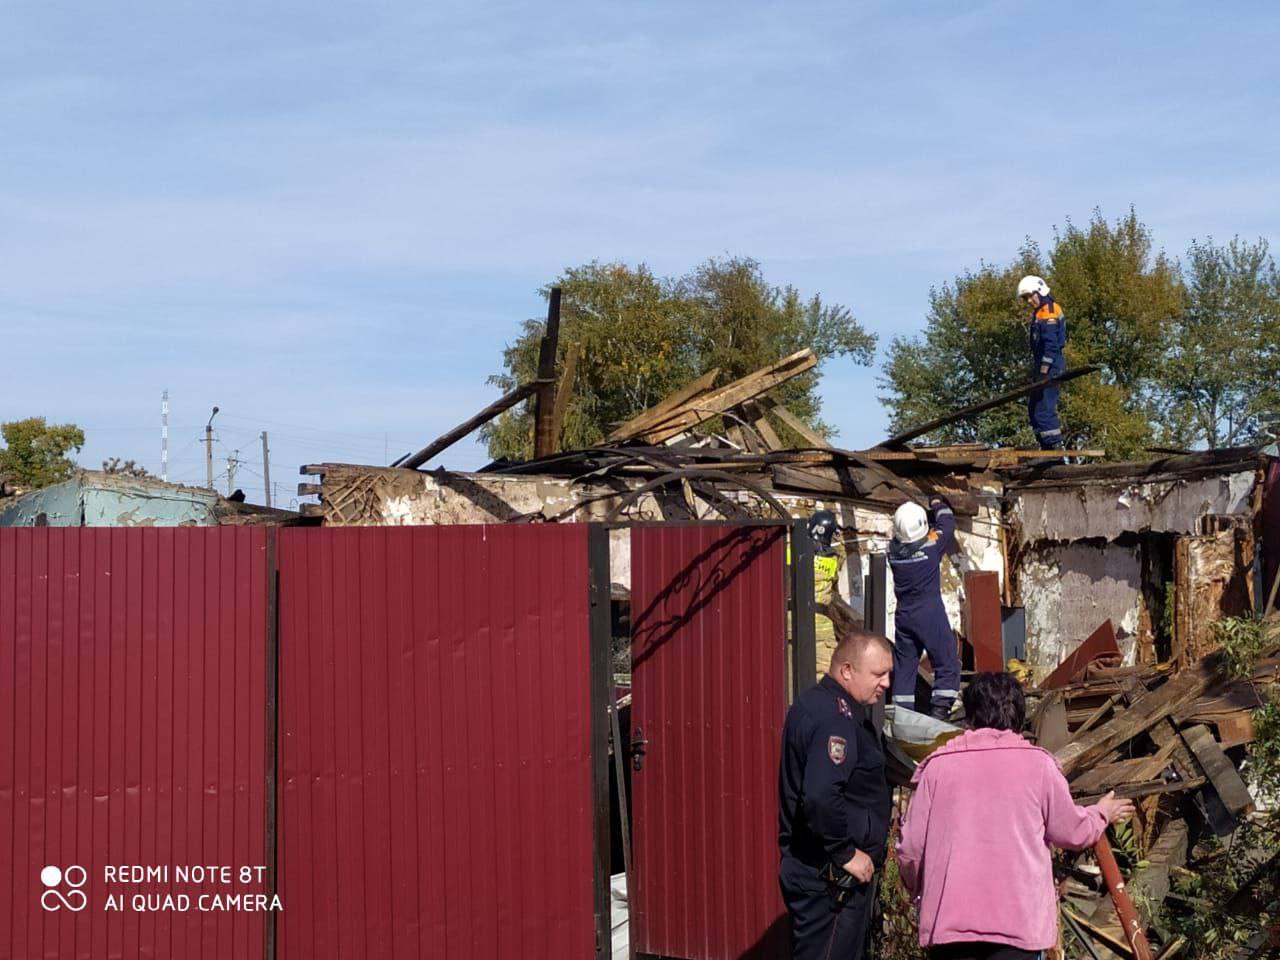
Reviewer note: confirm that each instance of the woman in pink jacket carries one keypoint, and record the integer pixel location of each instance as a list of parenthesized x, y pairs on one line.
[(975, 847)]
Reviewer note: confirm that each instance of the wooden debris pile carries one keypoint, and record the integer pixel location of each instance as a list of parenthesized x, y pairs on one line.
[(1175, 743)]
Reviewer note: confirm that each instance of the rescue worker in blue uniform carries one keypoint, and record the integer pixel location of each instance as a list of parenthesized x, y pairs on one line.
[(920, 624), (834, 802), (1048, 338)]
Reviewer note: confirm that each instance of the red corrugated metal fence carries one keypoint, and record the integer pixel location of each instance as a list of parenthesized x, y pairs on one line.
[(708, 688), (436, 794), (132, 667), (1270, 529)]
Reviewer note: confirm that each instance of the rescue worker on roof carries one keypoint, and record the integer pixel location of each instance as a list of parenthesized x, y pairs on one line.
[(920, 623), (834, 802), (1048, 338)]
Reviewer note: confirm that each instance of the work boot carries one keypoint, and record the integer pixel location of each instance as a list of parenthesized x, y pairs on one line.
[(940, 711), (1049, 461)]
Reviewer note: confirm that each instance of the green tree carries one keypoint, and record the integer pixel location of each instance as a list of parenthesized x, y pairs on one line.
[(35, 453), (1219, 380), (642, 336), (1118, 296)]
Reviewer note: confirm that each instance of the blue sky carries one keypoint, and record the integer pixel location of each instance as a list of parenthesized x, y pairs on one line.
[(329, 218)]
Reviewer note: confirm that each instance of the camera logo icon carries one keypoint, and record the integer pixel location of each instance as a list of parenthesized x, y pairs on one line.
[(54, 899)]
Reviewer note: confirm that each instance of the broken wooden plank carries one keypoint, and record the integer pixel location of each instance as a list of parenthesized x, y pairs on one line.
[(963, 457), (755, 416), (544, 441), (1109, 776), (1114, 941), (887, 477), (1165, 736), (822, 480), (716, 402), (985, 405), (663, 408), (484, 416), (563, 392), (1234, 729), (1149, 788), (1148, 710), (1221, 772), (1102, 710), (789, 419)]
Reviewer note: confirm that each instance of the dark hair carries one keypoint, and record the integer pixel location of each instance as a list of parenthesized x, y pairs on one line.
[(995, 700)]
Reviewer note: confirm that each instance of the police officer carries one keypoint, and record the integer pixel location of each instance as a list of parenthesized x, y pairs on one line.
[(920, 624), (834, 802), (1048, 338)]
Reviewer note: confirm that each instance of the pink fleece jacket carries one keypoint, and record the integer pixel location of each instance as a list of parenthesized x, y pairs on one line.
[(975, 841)]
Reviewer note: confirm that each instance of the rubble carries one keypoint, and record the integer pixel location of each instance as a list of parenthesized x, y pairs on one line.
[(1175, 741), (1072, 545)]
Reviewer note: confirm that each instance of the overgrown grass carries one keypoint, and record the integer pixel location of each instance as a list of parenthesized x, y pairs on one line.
[(899, 934)]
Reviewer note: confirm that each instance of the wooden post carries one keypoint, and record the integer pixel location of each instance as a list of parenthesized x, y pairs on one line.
[(563, 392), (544, 439), (460, 431)]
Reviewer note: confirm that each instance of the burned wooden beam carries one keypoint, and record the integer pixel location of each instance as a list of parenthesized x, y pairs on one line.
[(653, 416), (756, 416), (1221, 772), (789, 419), (985, 405), (1143, 714), (716, 402), (461, 430), (563, 392), (544, 439)]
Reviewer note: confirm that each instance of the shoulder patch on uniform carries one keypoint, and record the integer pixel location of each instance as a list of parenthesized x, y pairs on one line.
[(843, 707), (837, 747)]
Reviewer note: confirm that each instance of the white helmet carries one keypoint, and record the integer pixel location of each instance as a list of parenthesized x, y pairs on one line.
[(1029, 285), (910, 523)]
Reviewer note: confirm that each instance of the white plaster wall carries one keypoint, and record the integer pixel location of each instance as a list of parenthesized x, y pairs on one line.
[(1096, 510), (1070, 589)]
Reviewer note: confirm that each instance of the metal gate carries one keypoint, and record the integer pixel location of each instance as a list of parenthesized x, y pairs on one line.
[(442, 755), (133, 670), (708, 685)]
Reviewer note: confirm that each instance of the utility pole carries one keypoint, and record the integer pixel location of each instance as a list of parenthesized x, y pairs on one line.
[(208, 449), (266, 468), (231, 472), (164, 436)]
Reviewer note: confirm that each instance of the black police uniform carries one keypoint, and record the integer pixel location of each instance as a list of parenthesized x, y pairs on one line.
[(833, 800)]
